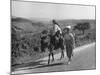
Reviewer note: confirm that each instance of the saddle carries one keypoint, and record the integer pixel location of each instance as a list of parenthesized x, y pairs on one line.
[(58, 38)]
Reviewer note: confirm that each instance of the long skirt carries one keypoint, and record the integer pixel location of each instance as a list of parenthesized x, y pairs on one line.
[(69, 50)]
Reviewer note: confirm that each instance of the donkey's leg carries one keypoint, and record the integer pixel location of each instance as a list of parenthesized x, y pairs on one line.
[(51, 51), (62, 47), (49, 58), (52, 56), (62, 54)]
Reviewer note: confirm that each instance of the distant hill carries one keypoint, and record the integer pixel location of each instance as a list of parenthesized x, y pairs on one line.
[(74, 21), (27, 25)]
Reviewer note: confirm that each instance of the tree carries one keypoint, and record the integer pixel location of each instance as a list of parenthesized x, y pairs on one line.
[(82, 27)]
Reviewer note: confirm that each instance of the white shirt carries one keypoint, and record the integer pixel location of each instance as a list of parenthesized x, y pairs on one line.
[(57, 28)]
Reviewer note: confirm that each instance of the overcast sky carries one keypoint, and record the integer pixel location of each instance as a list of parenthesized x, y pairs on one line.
[(52, 11)]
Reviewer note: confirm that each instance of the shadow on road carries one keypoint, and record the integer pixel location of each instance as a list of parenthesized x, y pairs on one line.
[(33, 65), (19, 66), (49, 65)]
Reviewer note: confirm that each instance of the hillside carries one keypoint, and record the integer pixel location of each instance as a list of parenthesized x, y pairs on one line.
[(27, 25)]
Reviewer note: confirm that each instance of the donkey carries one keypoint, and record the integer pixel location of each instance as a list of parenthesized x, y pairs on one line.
[(52, 44)]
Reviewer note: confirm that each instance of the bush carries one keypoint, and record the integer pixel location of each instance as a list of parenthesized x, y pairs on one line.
[(26, 45), (82, 26)]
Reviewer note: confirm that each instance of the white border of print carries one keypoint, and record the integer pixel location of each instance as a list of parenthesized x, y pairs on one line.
[(5, 36)]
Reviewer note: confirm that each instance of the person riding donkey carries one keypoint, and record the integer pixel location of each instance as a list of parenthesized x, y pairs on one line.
[(55, 41), (57, 32)]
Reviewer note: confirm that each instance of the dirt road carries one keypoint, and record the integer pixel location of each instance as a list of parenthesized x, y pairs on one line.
[(84, 58)]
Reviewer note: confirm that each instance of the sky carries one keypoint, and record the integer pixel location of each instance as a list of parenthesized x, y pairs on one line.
[(51, 11)]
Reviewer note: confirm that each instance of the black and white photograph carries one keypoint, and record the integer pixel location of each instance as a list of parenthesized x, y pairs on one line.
[(52, 37)]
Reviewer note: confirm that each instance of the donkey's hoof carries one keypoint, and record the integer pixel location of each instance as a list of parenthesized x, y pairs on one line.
[(61, 58), (48, 63)]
